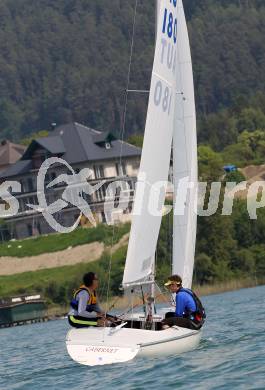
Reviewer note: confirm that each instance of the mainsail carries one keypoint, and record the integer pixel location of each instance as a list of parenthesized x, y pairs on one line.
[(156, 151), (184, 158)]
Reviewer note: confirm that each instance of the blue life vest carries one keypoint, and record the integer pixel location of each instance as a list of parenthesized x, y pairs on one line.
[(199, 314)]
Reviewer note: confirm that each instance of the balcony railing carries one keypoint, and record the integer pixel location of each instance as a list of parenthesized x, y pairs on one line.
[(96, 199)]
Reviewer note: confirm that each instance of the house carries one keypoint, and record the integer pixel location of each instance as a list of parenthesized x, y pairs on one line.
[(80, 147), (9, 154)]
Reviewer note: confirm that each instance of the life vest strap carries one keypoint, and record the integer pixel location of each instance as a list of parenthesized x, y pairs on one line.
[(92, 295)]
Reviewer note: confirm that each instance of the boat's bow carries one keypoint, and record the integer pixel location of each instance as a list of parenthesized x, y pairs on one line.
[(91, 348), (100, 346)]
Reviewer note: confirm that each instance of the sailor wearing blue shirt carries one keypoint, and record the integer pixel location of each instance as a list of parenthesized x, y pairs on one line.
[(189, 310)]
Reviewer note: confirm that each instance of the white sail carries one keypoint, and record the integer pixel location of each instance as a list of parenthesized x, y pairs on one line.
[(156, 148), (185, 158)]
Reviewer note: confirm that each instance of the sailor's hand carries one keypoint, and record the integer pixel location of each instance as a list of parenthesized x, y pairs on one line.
[(103, 322)]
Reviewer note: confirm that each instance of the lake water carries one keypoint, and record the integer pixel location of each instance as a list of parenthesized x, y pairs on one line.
[(231, 354)]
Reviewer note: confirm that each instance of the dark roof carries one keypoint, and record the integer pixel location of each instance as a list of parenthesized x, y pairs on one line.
[(103, 137), (81, 144), (20, 167), (52, 144), (75, 143)]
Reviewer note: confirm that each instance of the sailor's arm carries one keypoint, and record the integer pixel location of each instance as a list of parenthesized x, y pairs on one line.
[(180, 305), (97, 309), (83, 297)]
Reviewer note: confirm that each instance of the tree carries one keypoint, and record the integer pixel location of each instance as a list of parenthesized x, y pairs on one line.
[(210, 164), (69, 62), (251, 119), (215, 237), (136, 140), (39, 134), (244, 261), (204, 269), (235, 176)]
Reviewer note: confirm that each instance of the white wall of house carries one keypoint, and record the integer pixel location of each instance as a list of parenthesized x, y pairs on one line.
[(110, 170), (132, 166)]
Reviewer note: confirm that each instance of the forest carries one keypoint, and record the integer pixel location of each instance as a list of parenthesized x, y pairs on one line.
[(66, 61)]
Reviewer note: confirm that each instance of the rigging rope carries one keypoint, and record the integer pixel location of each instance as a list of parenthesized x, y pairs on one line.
[(122, 131)]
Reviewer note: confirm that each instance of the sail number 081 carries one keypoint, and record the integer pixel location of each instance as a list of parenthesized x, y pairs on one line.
[(163, 97)]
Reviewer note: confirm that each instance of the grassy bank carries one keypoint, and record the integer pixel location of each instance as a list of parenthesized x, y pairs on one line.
[(57, 242), (57, 284), (230, 285)]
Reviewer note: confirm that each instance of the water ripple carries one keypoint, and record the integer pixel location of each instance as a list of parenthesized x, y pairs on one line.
[(230, 356)]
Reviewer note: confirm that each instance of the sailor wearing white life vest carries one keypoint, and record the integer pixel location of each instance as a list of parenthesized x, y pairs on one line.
[(85, 310), (189, 311)]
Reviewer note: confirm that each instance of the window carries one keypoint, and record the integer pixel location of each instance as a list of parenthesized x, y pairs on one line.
[(99, 171), (107, 145), (22, 185), (132, 185), (121, 169), (30, 184), (101, 193), (37, 159), (21, 205), (38, 228), (103, 217), (87, 198), (49, 177), (29, 228)]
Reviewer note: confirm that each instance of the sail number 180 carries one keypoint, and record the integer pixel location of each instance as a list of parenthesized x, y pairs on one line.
[(163, 97), (170, 25)]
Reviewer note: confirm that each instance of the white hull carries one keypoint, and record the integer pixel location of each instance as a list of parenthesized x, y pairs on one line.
[(100, 346), (172, 346)]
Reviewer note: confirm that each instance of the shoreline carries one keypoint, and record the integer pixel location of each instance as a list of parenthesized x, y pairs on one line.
[(231, 285)]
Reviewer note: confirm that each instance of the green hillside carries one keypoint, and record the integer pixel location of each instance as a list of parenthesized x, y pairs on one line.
[(109, 235), (64, 61), (228, 248)]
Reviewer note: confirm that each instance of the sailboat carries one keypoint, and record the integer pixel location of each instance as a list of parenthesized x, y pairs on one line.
[(171, 120)]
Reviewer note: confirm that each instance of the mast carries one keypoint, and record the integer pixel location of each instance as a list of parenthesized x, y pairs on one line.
[(152, 292)]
